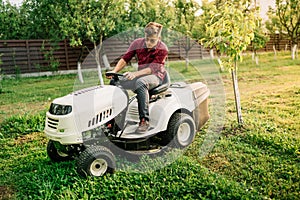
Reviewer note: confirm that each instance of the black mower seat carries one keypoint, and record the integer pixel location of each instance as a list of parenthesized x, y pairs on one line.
[(162, 87)]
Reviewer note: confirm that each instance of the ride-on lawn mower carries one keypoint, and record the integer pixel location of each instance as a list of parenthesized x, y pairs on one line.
[(93, 125)]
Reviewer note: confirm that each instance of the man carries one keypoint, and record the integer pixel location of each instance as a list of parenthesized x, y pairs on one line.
[(151, 54)]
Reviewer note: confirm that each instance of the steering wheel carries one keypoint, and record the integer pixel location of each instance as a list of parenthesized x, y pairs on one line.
[(114, 75)]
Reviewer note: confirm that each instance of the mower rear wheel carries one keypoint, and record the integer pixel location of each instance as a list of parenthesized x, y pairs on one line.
[(55, 154), (181, 130), (96, 161)]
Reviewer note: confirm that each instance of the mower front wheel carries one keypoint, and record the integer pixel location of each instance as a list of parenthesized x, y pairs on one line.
[(96, 161)]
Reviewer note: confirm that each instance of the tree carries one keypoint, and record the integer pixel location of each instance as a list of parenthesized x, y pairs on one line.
[(33, 19), (134, 19), (286, 18), (260, 34), (184, 21), (91, 20), (149, 11), (259, 41), (209, 8), (229, 33), (11, 22), (41, 19)]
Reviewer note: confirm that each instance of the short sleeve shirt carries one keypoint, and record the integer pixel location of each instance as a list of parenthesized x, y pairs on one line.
[(154, 58)]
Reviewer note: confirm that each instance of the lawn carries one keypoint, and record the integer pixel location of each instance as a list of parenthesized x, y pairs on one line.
[(259, 160)]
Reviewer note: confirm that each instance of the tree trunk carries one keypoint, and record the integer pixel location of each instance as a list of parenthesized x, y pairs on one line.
[(79, 72), (186, 63), (211, 53), (294, 50), (187, 48), (256, 60), (100, 74), (97, 58), (236, 94), (255, 57), (221, 64), (79, 61), (275, 52)]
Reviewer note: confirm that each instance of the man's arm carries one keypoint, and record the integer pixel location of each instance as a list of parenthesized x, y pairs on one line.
[(120, 65), (132, 75), (152, 68), (127, 57)]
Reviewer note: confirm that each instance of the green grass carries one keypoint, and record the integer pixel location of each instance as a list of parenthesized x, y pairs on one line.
[(32, 95), (259, 160)]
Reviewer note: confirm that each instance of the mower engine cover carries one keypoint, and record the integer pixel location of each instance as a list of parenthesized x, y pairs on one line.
[(83, 110)]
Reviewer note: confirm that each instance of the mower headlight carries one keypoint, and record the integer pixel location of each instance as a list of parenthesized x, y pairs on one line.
[(56, 109)]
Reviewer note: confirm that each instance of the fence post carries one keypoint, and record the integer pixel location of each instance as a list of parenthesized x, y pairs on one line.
[(28, 56), (201, 51), (66, 53)]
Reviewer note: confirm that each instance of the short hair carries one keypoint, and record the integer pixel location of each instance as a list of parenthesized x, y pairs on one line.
[(153, 28)]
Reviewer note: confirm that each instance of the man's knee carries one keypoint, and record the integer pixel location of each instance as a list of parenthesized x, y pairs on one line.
[(141, 84)]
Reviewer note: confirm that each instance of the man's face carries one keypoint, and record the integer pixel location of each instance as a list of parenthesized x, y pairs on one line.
[(151, 41)]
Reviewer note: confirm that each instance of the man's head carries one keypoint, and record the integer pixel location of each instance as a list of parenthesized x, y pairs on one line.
[(152, 34)]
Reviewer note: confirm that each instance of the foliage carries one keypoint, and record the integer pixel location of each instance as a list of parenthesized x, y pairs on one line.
[(31, 20), (285, 19), (288, 14), (43, 18), (228, 32), (273, 24), (12, 23), (159, 11), (48, 55), (47, 19), (90, 20), (260, 39), (185, 18), (246, 10), (260, 35), (208, 9)]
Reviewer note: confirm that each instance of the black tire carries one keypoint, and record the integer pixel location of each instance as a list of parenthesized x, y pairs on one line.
[(55, 154), (96, 161), (181, 131)]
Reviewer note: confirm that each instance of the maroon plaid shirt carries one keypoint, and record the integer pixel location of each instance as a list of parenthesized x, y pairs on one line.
[(154, 58)]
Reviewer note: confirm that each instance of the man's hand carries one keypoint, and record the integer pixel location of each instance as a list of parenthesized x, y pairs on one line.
[(109, 77), (130, 75)]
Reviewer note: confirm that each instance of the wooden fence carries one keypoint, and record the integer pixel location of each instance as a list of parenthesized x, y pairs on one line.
[(29, 56), (280, 42)]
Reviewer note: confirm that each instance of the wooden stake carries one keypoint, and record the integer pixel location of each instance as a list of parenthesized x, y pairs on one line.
[(236, 94)]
